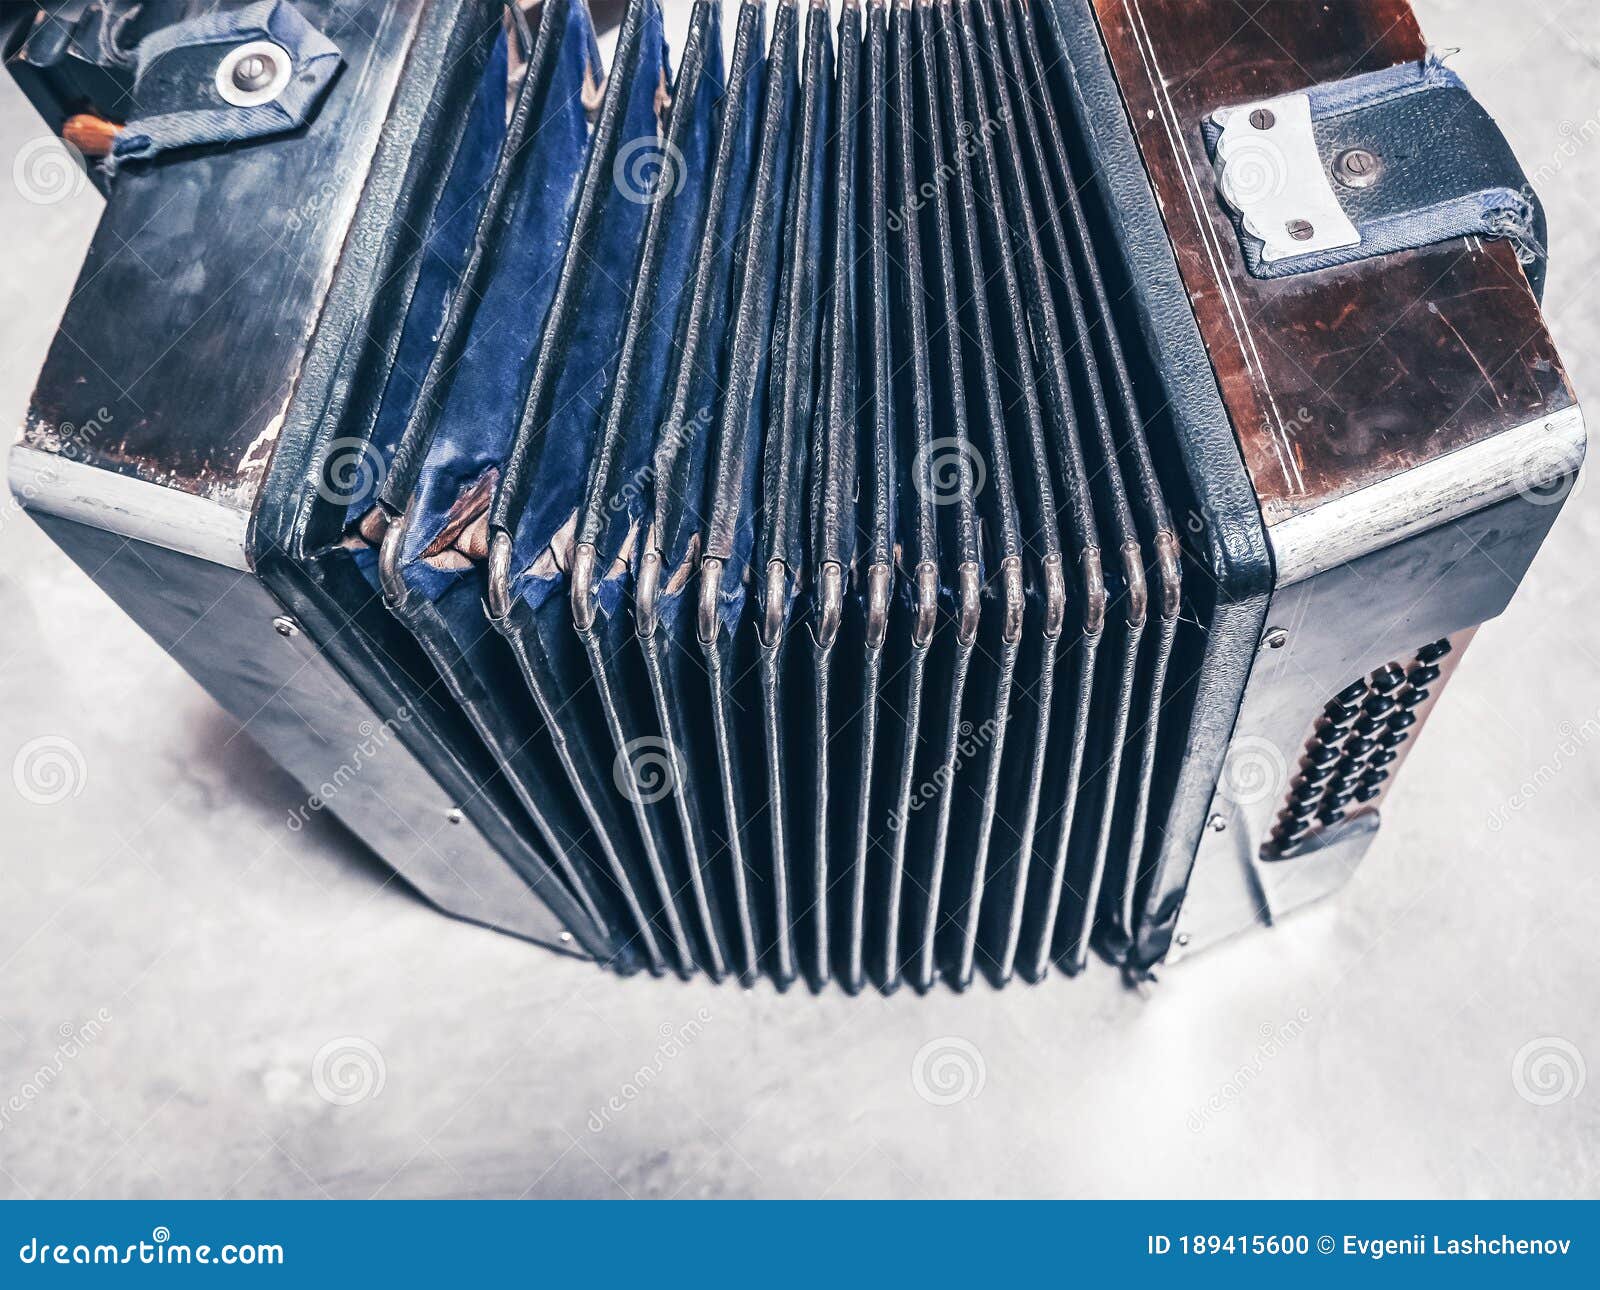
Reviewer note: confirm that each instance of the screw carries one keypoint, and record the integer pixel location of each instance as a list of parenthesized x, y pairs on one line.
[(285, 626), (1183, 939), (566, 938), (1263, 119), (1357, 168), (1301, 230), (454, 815), (254, 73), (1276, 637), (1216, 824)]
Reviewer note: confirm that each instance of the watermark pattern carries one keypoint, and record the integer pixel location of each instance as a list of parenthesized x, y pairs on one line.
[(48, 770), (647, 169), (1545, 476), (374, 738), (645, 769), (1275, 1038), (675, 1040), (352, 472), (948, 1070), (1548, 1070), (1256, 171), (1254, 771), (48, 170), (968, 139), (160, 1250), (673, 437), (348, 1070), (1575, 739), (947, 467), (970, 742), (75, 1037)]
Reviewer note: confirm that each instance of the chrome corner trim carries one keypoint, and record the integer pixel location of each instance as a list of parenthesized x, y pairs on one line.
[(1524, 460), (133, 508)]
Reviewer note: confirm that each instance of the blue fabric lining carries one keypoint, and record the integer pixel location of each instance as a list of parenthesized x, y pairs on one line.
[(711, 360), (555, 484), (759, 263), (482, 406), (629, 501), (444, 257)]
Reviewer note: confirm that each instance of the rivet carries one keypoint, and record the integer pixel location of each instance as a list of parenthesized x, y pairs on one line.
[(566, 938), (1357, 168), (1301, 230), (285, 626), (254, 72), (1263, 119), (1276, 637), (454, 815), (1216, 824), (1183, 939)]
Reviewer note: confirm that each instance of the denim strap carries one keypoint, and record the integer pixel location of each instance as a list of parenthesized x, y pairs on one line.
[(175, 86), (1443, 170)]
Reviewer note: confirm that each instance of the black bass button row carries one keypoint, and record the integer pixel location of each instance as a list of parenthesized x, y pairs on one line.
[(1356, 740)]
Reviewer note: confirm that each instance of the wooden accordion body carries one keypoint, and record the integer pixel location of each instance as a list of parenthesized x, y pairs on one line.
[(904, 539)]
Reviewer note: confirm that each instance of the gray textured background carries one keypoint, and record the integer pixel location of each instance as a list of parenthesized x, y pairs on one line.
[(1367, 1047)]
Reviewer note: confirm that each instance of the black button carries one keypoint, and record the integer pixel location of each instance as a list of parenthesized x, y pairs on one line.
[(1324, 755), (1393, 739), (1336, 723), (1335, 800), (1351, 767), (1316, 776), (1378, 705), (1413, 698), (1382, 757), (1402, 721), (1351, 694), (1427, 674), (1359, 747), (1367, 792), (1375, 777), (1332, 816), (1370, 726), (1388, 679), (1300, 812), (1433, 653)]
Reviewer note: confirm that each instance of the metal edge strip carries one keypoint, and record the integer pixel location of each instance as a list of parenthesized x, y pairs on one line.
[(1527, 459), (134, 508)]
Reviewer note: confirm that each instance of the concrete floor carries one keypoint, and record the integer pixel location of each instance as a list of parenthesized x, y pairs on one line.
[(1372, 1046)]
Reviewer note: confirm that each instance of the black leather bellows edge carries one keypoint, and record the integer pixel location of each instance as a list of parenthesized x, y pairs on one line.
[(805, 558)]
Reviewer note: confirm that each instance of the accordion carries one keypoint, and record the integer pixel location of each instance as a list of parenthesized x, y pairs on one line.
[(881, 493)]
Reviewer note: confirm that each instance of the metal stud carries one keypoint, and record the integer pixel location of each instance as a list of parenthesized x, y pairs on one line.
[(285, 626), (1263, 119), (1357, 168), (1300, 229), (254, 72)]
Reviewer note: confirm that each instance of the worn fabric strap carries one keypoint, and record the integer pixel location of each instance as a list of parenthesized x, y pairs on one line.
[(176, 90), (1447, 171)]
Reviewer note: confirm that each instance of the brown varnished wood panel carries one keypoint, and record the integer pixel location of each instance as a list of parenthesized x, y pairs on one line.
[(1334, 380)]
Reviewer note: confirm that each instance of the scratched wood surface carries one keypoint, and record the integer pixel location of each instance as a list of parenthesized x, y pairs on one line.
[(1339, 379)]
